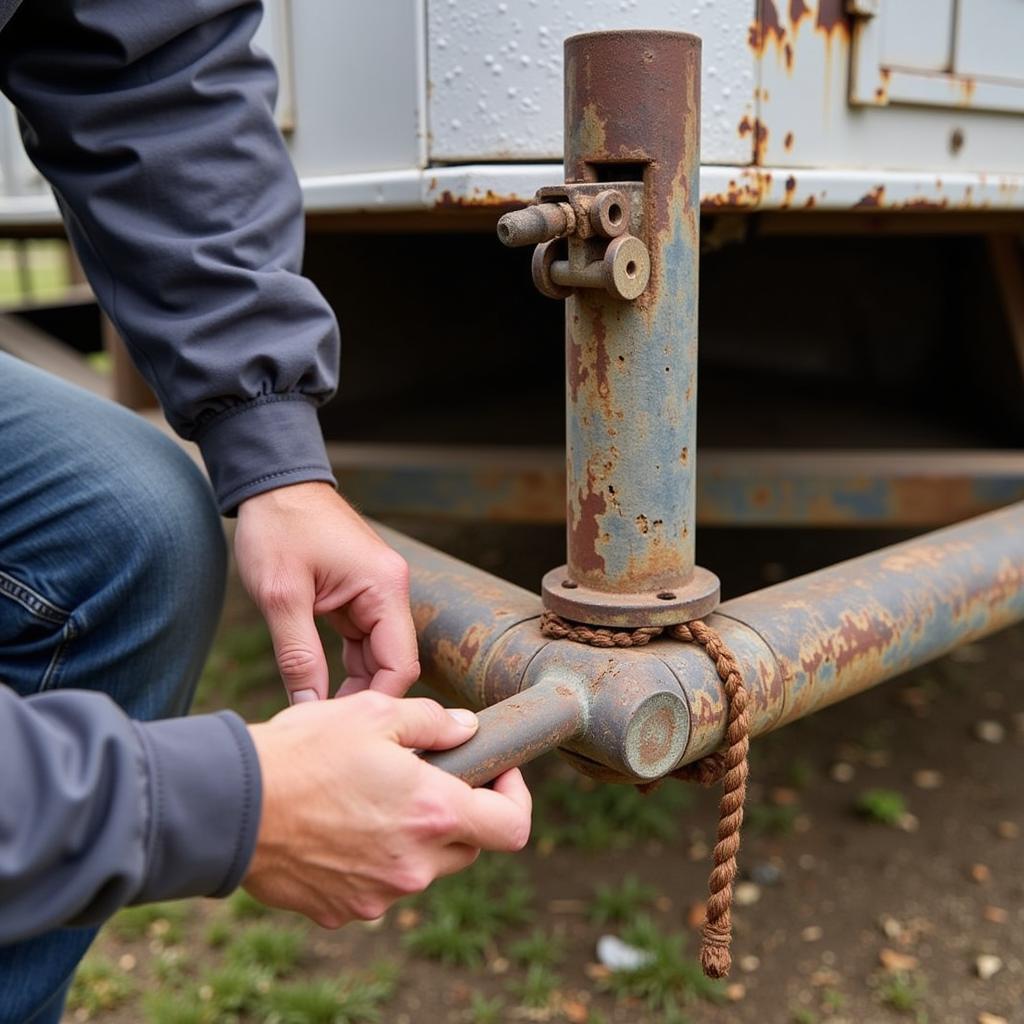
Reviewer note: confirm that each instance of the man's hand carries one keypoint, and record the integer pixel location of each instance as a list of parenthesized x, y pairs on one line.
[(304, 551), (352, 819)]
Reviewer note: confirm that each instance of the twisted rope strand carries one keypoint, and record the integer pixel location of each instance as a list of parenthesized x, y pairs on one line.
[(729, 766)]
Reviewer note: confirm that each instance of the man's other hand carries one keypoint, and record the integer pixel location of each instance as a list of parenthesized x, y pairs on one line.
[(303, 551), (353, 820)]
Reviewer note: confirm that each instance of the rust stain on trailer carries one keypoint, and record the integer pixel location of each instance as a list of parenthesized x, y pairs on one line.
[(766, 27), (872, 199), (832, 19), (798, 10), (478, 198)]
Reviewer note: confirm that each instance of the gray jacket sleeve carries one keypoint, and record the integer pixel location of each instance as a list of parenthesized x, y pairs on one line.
[(153, 124), (97, 811)]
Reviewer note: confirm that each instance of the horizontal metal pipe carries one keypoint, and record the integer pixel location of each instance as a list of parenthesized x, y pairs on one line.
[(801, 645), (520, 728)]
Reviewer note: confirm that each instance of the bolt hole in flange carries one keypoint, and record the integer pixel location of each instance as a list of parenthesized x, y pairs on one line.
[(631, 268), (569, 584), (666, 595), (615, 213)]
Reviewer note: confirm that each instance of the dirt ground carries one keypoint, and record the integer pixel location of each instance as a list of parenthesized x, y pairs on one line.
[(880, 866)]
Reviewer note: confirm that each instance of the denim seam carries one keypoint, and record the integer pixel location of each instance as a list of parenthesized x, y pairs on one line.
[(31, 600), (50, 677)]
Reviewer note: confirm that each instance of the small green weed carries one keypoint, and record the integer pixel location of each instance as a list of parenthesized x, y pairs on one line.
[(463, 913), (832, 1000), (486, 1011), (537, 988), (244, 907), (161, 921), (268, 947), (617, 903), (904, 993), (803, 1015), (670, 980), (770, 820), (218, 933), (99, 985), (539, 948), (885, 806), (179, 1007)]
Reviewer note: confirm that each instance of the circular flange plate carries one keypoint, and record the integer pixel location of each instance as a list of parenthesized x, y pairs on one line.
[(666, 607)]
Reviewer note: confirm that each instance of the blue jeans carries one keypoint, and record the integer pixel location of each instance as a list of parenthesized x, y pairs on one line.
[(112, 564)]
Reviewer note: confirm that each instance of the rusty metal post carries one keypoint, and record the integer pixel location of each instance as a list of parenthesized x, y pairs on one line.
[(632, 157)]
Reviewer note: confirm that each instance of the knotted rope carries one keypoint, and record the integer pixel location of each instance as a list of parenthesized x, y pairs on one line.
[(729, 766)]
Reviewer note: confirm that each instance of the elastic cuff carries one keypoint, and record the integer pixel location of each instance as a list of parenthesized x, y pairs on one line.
[(205, 798), (268, 443)]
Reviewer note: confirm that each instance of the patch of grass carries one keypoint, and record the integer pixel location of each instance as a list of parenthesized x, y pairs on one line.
[(576, 813), (169, 967), (885, 806), (178, 1008), (670, 980), (538, 949), (803, 1016), (463, 913), (156, 920), (486, 1011), (99, 985), (352, 999), (770, 820), (832, 1000), (218, 933), (244, 907), (536, 990), (268, 947), (622, 902), (904, 993), (234, 989)]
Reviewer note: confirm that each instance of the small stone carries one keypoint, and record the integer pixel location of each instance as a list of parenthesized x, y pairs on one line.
[(806, 862), (766, 873), (783, 796), (987, 966), (499, 965), (617, 955), (575, 1012), (928, 778), (898, 963), (749, 963), (908, 822), (735, 991), (696, 915), (996, 915), (988, 730), (991, 1018), (1007, 830), (981, 873), (841, 771), (746, 894), (407, 919), (126, 962), (596, 972), (812, 933), (891, 928)]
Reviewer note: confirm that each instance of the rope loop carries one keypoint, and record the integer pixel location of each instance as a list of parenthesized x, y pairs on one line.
[(730, 765)]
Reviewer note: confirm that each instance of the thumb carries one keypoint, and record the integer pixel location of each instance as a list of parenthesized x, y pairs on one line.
[(422, 724), (298, 651)]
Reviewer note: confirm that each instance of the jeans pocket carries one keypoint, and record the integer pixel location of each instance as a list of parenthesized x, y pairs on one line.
[(34, 634)]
